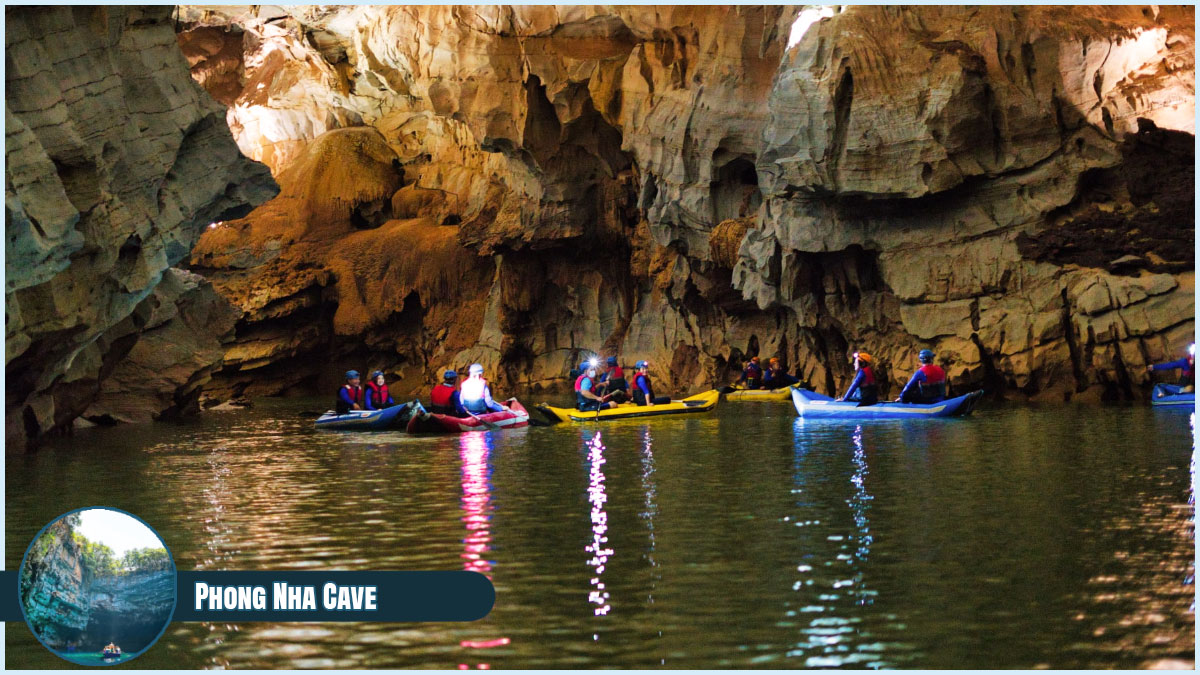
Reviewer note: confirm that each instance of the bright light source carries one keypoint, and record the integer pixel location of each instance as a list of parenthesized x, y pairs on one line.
[(593, 363), (806, 19)]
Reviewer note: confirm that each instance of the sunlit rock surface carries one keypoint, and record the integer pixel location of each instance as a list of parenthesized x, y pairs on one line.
[(115, 161), (1009, 186)]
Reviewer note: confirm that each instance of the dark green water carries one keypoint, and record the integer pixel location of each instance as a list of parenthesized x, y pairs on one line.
[(1023, 537)]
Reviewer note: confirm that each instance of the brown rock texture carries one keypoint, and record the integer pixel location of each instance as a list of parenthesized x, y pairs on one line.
[(1010, 186), (115, 162)]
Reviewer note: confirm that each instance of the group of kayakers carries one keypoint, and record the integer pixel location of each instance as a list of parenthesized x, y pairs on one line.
[(927, 384), (599, 388), (472, 397)]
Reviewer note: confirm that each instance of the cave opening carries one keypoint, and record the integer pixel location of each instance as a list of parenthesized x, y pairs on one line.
[(735, 191)]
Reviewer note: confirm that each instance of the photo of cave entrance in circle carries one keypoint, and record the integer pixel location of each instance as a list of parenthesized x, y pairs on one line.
[(97, 586)]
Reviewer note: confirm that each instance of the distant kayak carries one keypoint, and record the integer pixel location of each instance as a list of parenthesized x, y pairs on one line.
[(695, 404), (1170, 394), (782, 394), (436, 423), (394, 417), (813, 405)]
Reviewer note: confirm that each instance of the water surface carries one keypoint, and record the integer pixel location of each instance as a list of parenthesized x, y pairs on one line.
[(1022, 537)]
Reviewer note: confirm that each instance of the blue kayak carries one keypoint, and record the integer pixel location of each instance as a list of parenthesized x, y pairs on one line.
[(1170, 394), (366, 420), (810, 404)]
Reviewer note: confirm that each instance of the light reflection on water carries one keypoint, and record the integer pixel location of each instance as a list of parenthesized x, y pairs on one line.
[(1023, 537)]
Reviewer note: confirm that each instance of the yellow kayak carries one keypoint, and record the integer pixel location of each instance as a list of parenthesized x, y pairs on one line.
[(693, 404), (738, 394)]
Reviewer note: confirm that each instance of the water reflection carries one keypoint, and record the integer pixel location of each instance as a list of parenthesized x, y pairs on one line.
[(598, 547), (832, 586), (475, 450)]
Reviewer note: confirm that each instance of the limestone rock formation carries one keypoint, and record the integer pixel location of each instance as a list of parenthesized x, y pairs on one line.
[(115, 162), (1006, 185)]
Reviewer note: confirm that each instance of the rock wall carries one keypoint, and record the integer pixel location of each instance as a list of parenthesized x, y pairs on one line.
[(1011, 186), (115, 162), (54, 588)]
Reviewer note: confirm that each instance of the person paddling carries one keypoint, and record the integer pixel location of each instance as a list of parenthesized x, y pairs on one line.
[(444, 399), (775, 377), (475, 396), (751, 374), (586, 399), (927, 385), (643, 390), (350, 396), (1186, 366), (863, 389), (376, 394), (613, 381)]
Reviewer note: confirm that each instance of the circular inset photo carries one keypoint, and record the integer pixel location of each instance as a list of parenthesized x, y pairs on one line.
[(97, 586)]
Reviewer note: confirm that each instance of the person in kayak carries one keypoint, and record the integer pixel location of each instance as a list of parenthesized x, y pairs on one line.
[(643, 391), (475, 396), (927, 385), (751, 374), (444, 399), (376, 394), (586, 398), (612, 381), (350, 396), (775, 377), (863, 389), (1187, 366)]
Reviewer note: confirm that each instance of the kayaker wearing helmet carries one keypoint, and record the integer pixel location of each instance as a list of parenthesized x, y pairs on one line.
[(377, 396), (751, 374), (775, 376), (475, 395), (643, 391), (444, 399), (612, 381), (1187, 378), (927, 385), (349, 396), (586, 398), (864, 382)]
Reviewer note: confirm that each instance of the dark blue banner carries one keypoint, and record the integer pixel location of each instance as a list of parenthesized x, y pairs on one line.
[(315, 596)]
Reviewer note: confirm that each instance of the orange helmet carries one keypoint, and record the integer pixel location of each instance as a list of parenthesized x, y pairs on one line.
[(863, 356)]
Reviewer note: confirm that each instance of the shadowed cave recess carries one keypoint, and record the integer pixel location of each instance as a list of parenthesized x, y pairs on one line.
[(416, 188)]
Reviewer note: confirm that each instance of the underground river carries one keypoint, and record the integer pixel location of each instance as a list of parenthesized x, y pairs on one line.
[(1021, 537)]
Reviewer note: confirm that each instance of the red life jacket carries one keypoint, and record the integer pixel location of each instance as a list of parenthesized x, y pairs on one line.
[(616, 372), (933, 373), (379, 393), (579, 382), (868, 377), (356, 393), (441, 396)]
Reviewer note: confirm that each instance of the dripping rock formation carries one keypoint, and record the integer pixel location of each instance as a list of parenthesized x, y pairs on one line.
[(517, 186)]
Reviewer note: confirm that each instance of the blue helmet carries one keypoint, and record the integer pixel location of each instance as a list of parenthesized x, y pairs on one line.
[(475, 369), (641, 364), (351, 374), (449, 375), (376, 374), (612, 360), (926, 356)]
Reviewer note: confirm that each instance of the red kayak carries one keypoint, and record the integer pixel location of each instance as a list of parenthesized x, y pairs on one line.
[(435, 423)]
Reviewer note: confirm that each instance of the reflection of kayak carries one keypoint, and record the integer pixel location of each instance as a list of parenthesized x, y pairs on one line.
[(436, 423), (813, 405), (1170, 394), (110, 655), (694, 404), (759, 394), (365, 420)]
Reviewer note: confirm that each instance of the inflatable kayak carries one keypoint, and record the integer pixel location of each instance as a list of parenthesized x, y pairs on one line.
[(394, 417), (813, 405), (428, 422), (695, 404), (1170, 394), (759, 394)]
